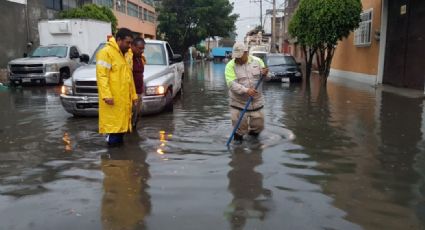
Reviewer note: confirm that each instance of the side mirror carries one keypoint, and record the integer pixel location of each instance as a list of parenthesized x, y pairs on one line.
[(25, 55), (84, 58), (177, 58)]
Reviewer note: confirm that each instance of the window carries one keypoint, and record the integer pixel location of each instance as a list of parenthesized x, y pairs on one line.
[(280, 60), (150, 16), (145, 14), (68, 4), (132, 9), (155, 54), (120, 5), (74, 51), (362, 35), (107, 3), (50, 51), (141, 13), (149, 2), (53, 4)]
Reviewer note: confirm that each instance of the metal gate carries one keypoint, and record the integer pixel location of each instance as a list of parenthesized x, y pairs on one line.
[(405, 48)]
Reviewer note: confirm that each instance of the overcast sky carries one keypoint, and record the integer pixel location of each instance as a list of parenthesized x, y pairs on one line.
[(249, 15)]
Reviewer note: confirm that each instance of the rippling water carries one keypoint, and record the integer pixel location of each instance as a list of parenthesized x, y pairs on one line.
[(350, 157)]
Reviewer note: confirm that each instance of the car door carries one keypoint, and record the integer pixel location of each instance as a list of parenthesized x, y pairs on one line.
[(174, 66)]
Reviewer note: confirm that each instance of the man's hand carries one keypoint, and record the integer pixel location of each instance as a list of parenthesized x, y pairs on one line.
[(109, 101), (252, 92), (135, 101), (264, 71)]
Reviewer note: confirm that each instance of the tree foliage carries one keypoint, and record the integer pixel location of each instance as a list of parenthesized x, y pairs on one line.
[(318, 25), (187, 22), (92, 11)]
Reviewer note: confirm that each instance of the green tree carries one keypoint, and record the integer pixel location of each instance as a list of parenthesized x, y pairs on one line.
[(201, 49), (92, 11), (318, 25), (187, 22)]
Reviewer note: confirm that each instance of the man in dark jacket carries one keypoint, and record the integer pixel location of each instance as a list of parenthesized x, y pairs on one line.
[(137, 63)]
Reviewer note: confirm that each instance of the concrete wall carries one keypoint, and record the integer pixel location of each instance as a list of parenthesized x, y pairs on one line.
[(17, 31)]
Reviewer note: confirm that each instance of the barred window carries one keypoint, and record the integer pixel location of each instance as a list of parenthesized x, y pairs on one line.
[(132, 9), (362, 35), (107, 3)]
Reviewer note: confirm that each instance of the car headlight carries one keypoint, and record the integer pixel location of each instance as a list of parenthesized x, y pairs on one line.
[(66, 89), (298, 74), (52, 68), (272, 74), (155, 90)]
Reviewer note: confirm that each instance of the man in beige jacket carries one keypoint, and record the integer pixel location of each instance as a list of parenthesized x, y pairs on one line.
[(242, 74)]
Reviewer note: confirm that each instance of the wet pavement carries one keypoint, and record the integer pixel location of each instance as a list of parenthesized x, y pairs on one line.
[(351, 157)]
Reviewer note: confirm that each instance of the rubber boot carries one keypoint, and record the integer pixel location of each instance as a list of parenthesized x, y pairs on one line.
[(237, 138)]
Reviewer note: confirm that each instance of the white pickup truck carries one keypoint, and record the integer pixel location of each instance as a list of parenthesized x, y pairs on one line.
[(50, 64), (162, 81), (62, 43)]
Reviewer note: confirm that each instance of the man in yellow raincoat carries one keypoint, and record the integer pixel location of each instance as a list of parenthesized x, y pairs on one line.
[(116, 87)]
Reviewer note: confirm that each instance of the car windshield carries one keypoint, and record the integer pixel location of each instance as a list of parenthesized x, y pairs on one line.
[(50, 51), (280, 60), (93, 58), (154, 54)]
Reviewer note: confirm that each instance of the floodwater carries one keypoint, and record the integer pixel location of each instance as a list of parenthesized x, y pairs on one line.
[(349, 157)]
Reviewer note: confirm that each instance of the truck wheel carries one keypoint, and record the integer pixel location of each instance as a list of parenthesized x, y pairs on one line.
[(169, 101)]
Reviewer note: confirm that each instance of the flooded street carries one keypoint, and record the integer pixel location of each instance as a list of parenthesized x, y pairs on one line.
[(349, 158)]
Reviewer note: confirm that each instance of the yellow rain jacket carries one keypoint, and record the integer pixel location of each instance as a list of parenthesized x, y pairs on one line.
[(114, 80)]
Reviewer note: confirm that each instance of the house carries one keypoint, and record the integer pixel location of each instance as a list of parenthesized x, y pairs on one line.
[(388, 46)]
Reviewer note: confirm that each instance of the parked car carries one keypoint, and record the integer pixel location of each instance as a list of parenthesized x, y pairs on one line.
[(47, 64), (62, 43), (162, 81), (283, 67)]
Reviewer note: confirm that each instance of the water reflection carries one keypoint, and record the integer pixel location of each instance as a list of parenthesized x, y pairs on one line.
[(344, 158), (366, 146), (125, 202), (246, 185)]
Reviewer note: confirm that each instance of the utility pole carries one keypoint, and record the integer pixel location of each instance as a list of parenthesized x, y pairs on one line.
[(261, 14), (273, 42)]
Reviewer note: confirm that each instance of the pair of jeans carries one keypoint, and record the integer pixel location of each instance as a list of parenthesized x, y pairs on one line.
[(252, 122)]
